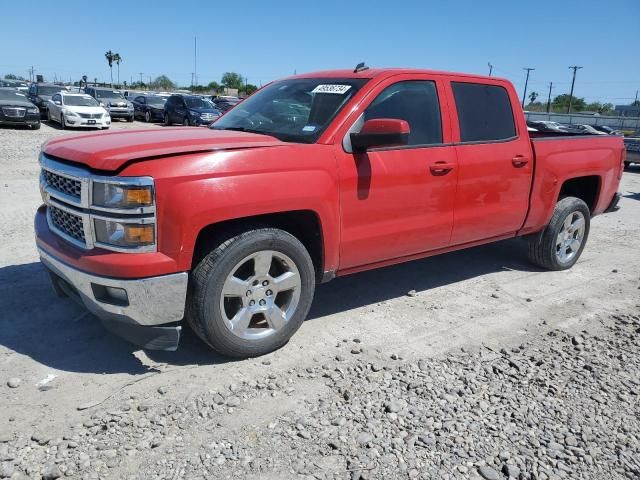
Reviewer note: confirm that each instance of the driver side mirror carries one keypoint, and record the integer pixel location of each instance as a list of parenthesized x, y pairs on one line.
[(380, 132), (57, 102)]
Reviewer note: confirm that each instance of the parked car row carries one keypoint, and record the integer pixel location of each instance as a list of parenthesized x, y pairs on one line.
[(548, 126)]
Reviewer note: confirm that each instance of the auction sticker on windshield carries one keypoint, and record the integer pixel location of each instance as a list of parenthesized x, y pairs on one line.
[(339, 89)]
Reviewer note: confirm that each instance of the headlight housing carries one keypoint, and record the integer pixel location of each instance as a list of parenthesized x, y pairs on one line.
[(70, 113), (33, 110), (124, 234), (122, 196)]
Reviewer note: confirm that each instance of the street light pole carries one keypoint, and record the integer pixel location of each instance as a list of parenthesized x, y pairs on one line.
[(573, 82), (490, 68), (549, 97), (526, 83)]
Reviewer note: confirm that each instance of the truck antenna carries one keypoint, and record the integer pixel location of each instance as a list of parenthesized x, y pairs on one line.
[(361, 67)]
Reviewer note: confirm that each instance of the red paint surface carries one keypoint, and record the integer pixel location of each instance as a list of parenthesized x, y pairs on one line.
[(378, 208)]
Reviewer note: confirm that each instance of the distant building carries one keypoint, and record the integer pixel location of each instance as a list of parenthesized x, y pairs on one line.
[(628, 110)]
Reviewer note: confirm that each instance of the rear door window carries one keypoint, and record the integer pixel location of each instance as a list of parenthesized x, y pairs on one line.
[(484, 112)]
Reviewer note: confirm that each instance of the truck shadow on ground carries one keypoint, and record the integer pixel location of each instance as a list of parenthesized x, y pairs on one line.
[(59, 334)]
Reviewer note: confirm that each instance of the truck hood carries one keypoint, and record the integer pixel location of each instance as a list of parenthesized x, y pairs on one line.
[(110, 151)]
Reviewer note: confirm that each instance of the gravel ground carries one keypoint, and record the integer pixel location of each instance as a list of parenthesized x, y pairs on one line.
[(560, 407), (466, 365)]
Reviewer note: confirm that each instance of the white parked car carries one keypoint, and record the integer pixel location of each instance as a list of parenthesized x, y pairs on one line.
[(77, 110)]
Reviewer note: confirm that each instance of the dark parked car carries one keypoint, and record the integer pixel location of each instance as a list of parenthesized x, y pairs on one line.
[(546, 126), (16, 109), (189, 110), (113, 101), (41, 93), (149, 107), (224, 104)]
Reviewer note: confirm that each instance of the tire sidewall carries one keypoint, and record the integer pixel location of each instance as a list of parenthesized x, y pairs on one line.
[(215, 329), (565, 207)]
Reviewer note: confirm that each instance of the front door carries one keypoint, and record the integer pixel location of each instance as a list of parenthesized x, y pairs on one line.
[(398, 201)]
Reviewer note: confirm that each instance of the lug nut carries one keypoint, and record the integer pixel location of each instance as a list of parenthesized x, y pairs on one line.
[(252, 303), (248, 293), (265, 283), (269, 293), (263, 303)]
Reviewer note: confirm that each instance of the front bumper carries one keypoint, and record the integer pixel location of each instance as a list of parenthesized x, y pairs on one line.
[(146, 314), (117, 112), (79, 122)]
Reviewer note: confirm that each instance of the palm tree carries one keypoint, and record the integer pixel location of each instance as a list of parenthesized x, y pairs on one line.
[(117, 59), (533, 96), (109, 57)]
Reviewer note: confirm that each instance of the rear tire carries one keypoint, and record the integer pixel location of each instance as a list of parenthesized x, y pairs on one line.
[(229, 284), (36, 126), (166, 119), (560, 244), (147, 116)]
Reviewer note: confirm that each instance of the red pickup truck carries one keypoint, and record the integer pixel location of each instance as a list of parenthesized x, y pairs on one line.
[(313, 176)]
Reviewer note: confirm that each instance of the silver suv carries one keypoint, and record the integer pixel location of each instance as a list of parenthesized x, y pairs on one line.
[(113, 101)]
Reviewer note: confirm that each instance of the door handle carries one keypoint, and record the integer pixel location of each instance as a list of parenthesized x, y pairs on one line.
[(519, 161), (439, 169)]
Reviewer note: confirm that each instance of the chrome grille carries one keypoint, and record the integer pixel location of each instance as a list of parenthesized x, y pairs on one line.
[(67, 223), (14, 112), (208, 116), (90, 115), (63, 184)]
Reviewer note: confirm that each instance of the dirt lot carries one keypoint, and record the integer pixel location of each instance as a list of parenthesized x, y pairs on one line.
[(348, 397)]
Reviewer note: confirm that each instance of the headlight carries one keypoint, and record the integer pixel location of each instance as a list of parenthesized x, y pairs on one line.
[(122, 234), (33, 110), (69, 113), (122, 196)]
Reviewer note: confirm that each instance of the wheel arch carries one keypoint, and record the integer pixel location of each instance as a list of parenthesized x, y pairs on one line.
[(587, 188), (305, 225)]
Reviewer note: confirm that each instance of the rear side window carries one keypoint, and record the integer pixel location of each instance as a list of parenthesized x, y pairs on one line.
[(415, 101), (484, 112)]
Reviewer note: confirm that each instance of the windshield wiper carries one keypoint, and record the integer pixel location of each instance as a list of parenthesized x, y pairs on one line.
[(240, 129)]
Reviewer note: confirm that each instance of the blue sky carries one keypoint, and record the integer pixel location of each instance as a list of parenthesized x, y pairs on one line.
[(264, 40)]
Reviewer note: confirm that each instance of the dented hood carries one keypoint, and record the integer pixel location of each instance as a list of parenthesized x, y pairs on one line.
[(110, 151)]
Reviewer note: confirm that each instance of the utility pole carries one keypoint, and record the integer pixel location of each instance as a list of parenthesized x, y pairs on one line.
[(490, 68), (195, 60), (573, 82), (549, 97), (526, 82), (141, 82), (636, 97)]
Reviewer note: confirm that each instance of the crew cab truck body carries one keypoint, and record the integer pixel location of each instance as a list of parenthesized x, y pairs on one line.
[(313, 176)]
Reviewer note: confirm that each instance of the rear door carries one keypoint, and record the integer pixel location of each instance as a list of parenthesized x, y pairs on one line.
[(398, 201), (495, 161)]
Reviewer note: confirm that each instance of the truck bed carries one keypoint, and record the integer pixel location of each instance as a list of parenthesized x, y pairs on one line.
[(561, 157)]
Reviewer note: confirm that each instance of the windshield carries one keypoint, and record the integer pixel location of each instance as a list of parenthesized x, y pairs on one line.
[(157, 101), (12, 95), (109, 94), (197, 102), (84, 101), (49, 90), (296, 110)]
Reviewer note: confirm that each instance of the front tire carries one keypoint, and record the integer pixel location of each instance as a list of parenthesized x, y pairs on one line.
[(147, 116), (560, 244), (250, 294), (62, 124), (166, 120), (185, 122)]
